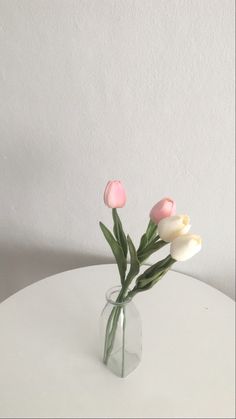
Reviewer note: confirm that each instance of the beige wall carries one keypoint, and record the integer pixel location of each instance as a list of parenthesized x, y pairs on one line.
[(93, 90)]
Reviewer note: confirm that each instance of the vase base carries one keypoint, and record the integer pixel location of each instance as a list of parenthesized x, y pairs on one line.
[(122, 364)]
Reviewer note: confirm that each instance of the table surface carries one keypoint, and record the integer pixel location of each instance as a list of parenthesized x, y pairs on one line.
[(49, 363)]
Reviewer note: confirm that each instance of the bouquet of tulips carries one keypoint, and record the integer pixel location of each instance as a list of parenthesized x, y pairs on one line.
[(164, 227)]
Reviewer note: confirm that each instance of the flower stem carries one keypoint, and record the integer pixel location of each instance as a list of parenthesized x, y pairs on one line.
[(112, 326), (123, 343)]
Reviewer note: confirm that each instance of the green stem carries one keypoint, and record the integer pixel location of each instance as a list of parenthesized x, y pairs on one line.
[(132, 293), (123, 344), (111, 335), (112, 325), (108, 327)]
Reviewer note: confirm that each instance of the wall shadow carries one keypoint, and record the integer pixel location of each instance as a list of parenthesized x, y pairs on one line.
[(21, 266)]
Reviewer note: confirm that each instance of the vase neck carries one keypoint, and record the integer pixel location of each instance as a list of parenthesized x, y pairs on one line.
[(114, 297)]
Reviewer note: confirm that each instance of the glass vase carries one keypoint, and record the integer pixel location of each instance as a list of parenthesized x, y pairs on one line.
[(120, 334)]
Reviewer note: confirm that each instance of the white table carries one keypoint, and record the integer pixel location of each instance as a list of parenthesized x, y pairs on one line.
[(49, 365)]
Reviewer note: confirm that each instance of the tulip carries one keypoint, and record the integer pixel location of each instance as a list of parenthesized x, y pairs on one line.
[(184, 247), (171, 227), (164, 208), (114, 194)]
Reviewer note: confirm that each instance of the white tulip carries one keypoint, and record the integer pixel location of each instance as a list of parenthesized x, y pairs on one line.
[(171, 227), (184, 247)]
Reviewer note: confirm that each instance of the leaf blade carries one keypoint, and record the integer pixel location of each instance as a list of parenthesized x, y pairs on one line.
[(153, 273), (151, 230), (134, 262), (116, 250), (119, 232), (150, 236), (150, 249)]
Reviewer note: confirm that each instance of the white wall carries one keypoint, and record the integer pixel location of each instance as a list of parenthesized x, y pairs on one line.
[(93, 90)]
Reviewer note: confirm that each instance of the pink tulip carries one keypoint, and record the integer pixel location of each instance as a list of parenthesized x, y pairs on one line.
[(164, 208), (114, 194)]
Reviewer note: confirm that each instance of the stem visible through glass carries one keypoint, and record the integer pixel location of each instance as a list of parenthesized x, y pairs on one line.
[(123, 343), (112, 326)]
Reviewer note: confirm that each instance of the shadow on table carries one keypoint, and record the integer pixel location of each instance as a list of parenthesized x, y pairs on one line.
[(22, 265)]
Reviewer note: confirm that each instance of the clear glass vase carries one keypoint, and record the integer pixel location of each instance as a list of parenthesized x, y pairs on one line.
[(120, 334)]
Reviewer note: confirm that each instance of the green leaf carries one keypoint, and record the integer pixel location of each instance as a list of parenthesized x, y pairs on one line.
[(134, 262), (151, 231), (143, 242), (116, 250), (119, 232), (149, 237), (154, 272), (150, 249), (147, 283)]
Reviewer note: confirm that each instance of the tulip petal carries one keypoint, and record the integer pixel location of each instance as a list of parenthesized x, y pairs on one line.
[(185, 247), (114, 194), (164, 208), (171, 227)]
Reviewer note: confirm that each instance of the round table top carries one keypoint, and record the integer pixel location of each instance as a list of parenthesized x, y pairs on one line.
[(49, 362)]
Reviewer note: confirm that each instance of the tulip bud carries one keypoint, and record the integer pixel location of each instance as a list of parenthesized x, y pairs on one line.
[(114, 194), (164, 208), (171, 227), (184, 247)]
